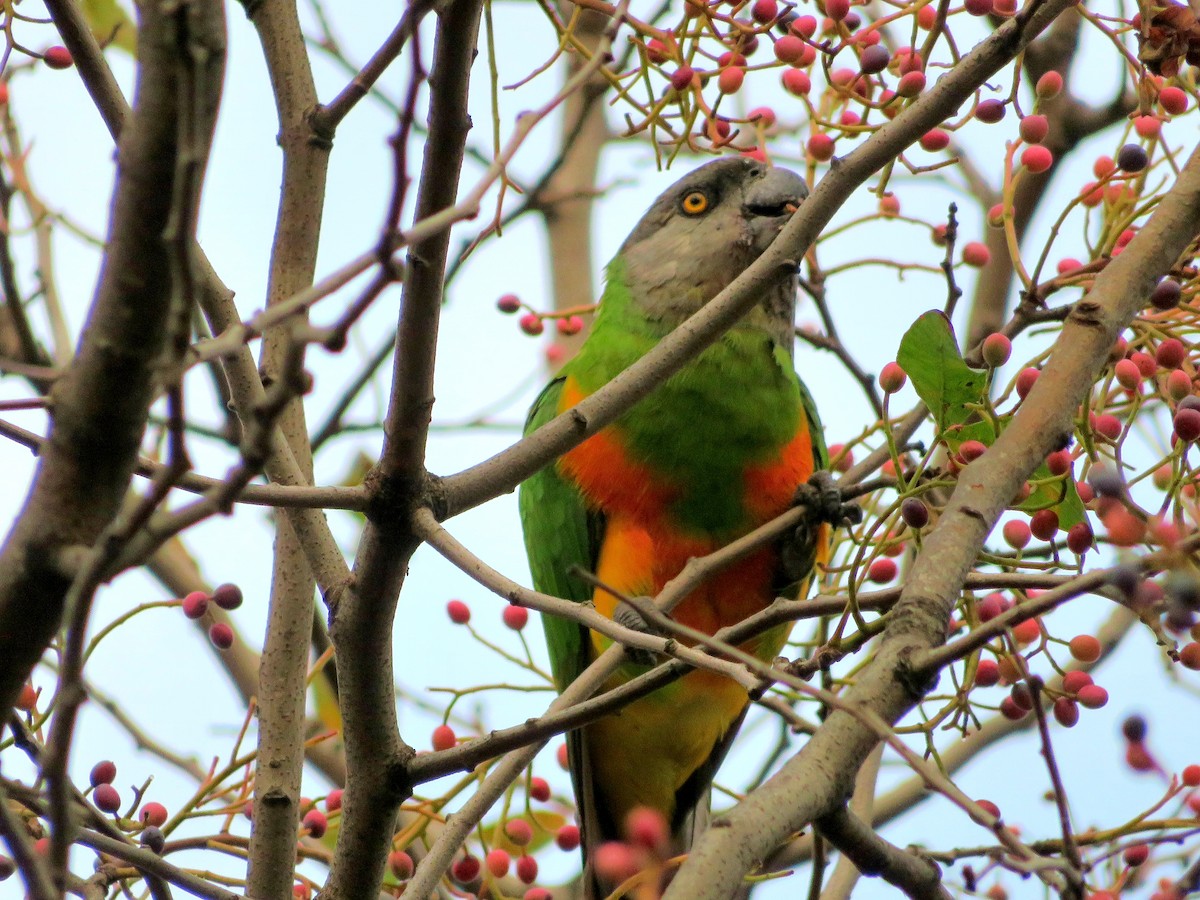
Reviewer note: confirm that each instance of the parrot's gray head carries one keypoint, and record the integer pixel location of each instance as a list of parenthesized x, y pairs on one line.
[(704, 230)]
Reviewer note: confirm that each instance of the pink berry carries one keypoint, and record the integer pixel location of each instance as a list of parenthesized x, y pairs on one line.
[(1173, 100), (58, 57), (315, 822), (567, 837), (195, 604), (926, 17), (103, 772), (762, 115), (646, 827), (1189, 655), (28, 697), (1170, 353), (152, 813), (508, 303), (837, 9), (987, 673), (935, 140), (1075, 681), (796, 82), (1138, 758), (459, 612), (1092, 696), (730, 80), (401, 864), (539, 789), (106, 798), (444, 737), (976, 254), (465, 869), (882, 570), (874, 59), (515, 617), (915, 513), (518, 831), (656, 52), (1107, 425), (1145, 363), (892, 378), (1080, 538), (615, 861), (978, 7), (790, 49), (1036, 158), (820, 147), (997, 348), (1027, 632), (498, 862), (682, 77), (227, 596), (910, 84), (1085, 648), (333, 801), (1034, 128), (1147, 126), (989, 607), (531, 324), (804, 26), (1050, 85), (990, 111), (969, 451), (1128, 374), (989, 807), (1187, 425), (1058, 463), (221, 635), (1011, 710), (1190, 775), (1025, 381), (1016, 533), (1136, 855), (1066, 711), (1044, 524), (563, 757), (527, 869), (764, 11)]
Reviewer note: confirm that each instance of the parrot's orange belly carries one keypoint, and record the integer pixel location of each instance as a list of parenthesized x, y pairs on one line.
[(646, 752)]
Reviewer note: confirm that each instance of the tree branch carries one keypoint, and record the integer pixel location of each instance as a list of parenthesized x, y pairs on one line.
[(982, 493)]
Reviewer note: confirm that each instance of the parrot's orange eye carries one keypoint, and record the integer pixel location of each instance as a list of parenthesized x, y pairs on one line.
[(694, 203)]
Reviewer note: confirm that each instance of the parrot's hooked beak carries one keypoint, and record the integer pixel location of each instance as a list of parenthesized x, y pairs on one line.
[(777, 193), (769, 201)]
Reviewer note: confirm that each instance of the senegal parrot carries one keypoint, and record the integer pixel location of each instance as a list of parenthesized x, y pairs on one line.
[(716, 451)]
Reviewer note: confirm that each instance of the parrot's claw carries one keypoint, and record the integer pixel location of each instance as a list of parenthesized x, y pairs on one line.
[(629, 616), (824, 500)]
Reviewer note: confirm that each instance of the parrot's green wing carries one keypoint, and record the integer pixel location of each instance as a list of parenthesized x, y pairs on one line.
[(815, 429), (560, 534)]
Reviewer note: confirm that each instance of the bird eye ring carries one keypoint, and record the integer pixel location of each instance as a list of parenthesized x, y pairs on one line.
[(694, 203)]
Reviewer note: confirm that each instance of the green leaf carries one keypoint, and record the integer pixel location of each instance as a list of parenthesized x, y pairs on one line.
[(111, 25), (954, 392), (1057, 494), (951, 389)]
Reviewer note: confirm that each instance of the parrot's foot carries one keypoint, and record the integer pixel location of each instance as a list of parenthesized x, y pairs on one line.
[(824, 500), (627, 615)]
